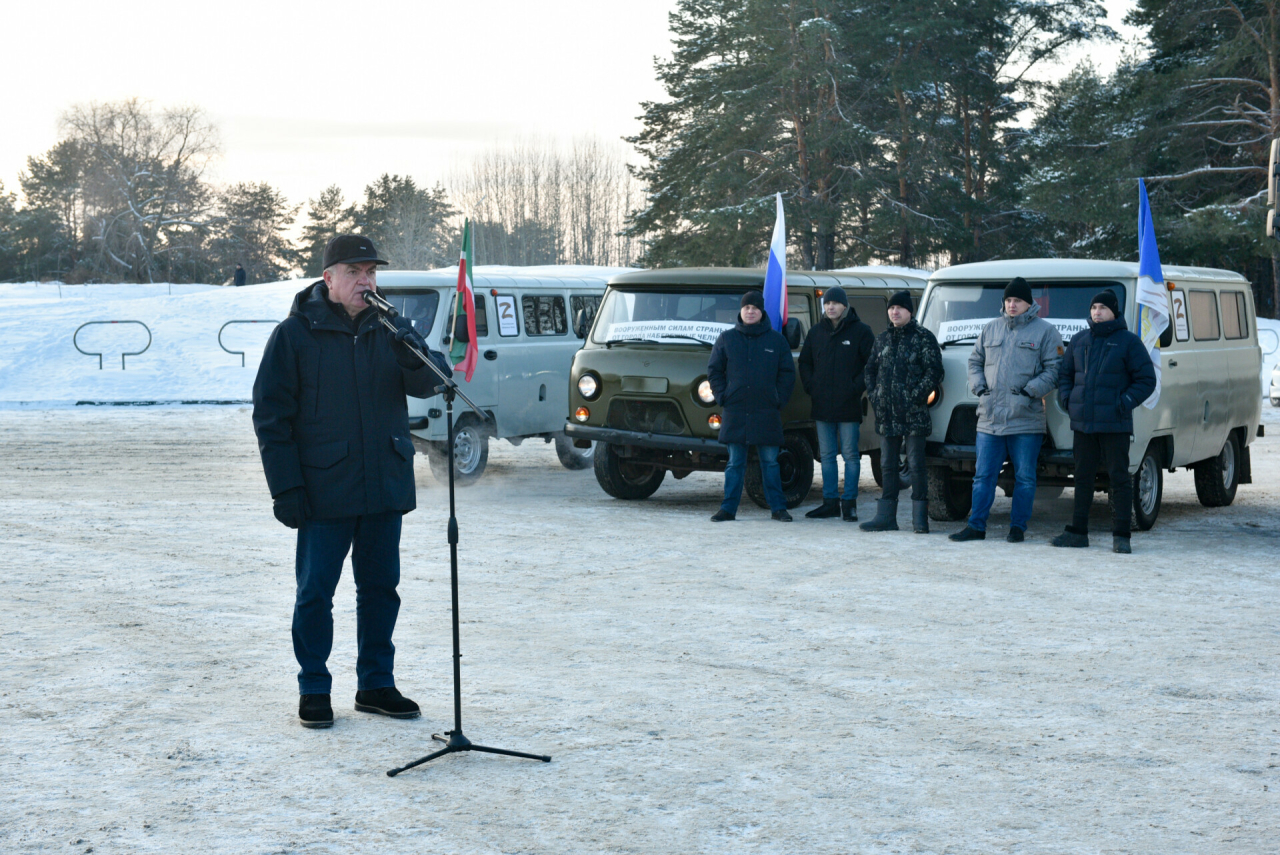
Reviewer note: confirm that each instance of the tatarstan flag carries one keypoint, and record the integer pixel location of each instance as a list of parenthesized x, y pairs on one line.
[(465, 354)]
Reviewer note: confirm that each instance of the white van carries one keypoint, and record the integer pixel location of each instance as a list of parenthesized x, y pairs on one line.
[(526, 333), (1209, 407)]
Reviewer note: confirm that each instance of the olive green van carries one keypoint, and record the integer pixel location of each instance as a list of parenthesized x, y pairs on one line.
[(1208, 410), (638, 387)]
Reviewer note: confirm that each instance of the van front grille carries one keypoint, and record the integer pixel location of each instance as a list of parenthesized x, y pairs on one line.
[(645, 416), (963, 429)]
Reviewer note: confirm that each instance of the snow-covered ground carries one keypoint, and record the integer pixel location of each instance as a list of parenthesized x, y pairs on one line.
[(744, 687)]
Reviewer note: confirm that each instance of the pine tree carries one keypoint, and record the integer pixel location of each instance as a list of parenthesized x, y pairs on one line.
[(327, 216)]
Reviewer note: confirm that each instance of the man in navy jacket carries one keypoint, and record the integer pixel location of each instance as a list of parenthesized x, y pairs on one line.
[(752, 374), (333, 430), (1105, 374)]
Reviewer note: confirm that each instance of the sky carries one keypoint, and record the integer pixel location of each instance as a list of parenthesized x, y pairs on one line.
[(308, 95)]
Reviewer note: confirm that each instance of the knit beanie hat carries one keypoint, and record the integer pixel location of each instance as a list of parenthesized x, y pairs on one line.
[(1108, 299), (752, 298), (903, 299), (1020, 289), (835, 295)]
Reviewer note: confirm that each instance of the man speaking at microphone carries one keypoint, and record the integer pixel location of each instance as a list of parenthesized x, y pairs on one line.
[(333, 429)]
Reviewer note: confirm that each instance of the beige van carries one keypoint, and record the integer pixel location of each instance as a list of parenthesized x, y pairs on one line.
[(1208, 410)]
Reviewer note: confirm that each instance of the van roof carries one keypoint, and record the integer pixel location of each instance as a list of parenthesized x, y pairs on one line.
[(1073, 268), (503, 276), (753, 277)]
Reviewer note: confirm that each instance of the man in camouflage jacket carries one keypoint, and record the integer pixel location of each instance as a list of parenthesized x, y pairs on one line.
[(904, 368)]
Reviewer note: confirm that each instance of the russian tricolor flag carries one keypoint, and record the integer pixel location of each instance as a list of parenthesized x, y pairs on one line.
[(775, 274)]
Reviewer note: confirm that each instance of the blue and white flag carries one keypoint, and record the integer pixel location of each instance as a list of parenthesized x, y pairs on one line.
[(775, 274), (1152, 297)]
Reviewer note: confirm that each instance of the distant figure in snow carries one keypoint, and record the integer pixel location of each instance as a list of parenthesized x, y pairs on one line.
[(239, 277)]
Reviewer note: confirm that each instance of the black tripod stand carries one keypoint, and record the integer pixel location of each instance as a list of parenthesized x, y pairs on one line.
[(457, 741)]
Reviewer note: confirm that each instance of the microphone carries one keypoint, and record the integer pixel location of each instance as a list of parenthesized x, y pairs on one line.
[(375, 299)]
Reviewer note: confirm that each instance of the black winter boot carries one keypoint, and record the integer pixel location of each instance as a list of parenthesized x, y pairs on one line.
[(315, 711), (920, 517), (1072, 537), (1120, 543), (1016, 534), (967, 533), (886, 518), (829, 508), (849, 510), (388, 702)]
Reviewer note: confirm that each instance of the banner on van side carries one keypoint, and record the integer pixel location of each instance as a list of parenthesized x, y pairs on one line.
[(956, 330), (707, 331)]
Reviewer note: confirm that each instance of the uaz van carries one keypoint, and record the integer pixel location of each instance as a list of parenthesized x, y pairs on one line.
[(525, 333), (639, 387), (1208, 409)]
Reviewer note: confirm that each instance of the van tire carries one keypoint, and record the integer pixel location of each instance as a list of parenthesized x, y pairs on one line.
[(623, 479), (471, 454), (795, 465), (1148, 490), (1218, 477), (950, 494), (572, 457)]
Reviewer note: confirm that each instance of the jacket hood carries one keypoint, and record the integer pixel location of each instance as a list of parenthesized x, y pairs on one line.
[(850, 316), (1106, 328), (909, 326), (312, 305), (760, 327), (1023, 319)]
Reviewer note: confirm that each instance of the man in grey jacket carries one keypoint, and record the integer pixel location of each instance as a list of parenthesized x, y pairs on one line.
[(1014, 365)]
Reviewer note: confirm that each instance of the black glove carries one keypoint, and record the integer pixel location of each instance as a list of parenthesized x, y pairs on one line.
[(983, 391), (406, 335), (291, 507), (1023, 391)]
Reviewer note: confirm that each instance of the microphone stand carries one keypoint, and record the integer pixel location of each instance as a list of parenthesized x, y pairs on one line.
[(457, 741)]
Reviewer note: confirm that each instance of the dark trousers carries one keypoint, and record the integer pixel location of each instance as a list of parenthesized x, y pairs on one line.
[(1112, 449), (375, 566), (890, 463)]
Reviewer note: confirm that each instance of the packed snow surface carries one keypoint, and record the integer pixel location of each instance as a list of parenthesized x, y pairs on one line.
[(742, 687)]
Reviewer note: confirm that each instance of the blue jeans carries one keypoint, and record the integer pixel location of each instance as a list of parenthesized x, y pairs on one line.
[(839, 438), (375, 566), (737, 469), (1024, 450)]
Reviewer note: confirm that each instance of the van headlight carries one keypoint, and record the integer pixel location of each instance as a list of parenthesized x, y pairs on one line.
[(705, 395), (589, 386)]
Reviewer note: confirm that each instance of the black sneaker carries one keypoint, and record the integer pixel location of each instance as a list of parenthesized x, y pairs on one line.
[(829, 508), (1071, 538), (967, 533), (1015, 534), (388, 702), (782, 516), (723, 516), (315, 711), (1120, 543)]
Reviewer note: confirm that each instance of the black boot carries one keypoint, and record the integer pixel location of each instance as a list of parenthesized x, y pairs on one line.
[(1120, 543), (967, 533), (829, 508), (388, 702), (886, 518), (920, 517), (1016, 534), (1072, 537), (849, 510), (315, 711)]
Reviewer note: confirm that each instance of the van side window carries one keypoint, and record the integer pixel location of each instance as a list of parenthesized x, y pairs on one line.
[(482, 317), (1204, 315), (585, 303), (544, 315), (798, 307), (1235, 321), (872, 312)]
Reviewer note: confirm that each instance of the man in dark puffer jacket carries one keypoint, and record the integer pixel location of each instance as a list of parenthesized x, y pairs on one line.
[(1105, 374), (905, 366), (752, 374)]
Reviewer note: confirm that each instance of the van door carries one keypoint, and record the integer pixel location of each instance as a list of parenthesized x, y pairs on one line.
[(533, 389), (1243, 358), (483, 388), (1212, 373)]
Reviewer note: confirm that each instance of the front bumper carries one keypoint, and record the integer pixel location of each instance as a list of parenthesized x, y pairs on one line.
[(665, 442)]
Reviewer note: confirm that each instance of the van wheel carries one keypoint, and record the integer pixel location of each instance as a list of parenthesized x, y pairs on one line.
[(795, 466), (572, 457), (904, 473), (950, 494), (470, 454), (1148, 489), (623, 479), (1218, 477)]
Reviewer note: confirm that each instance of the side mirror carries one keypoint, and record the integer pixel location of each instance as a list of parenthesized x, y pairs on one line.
[(461, 333), (580, 323), (793, 333), (1166, 337)]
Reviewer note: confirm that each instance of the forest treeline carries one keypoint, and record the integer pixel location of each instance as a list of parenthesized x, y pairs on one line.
[(924, 134)]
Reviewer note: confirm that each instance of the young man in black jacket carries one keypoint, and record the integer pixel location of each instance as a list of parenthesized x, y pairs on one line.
[(833, 363), (1105, 374), (752, 375), (333, 429)]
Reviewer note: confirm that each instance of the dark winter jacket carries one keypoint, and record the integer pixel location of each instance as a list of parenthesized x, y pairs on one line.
[(240, 277), (1104, 376), (833, 365), (330, 413), (905, 366), (751, 374)]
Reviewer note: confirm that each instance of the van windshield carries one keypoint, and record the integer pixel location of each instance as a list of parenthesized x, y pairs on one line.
[(672, 317), (418, 306), (957, 311)]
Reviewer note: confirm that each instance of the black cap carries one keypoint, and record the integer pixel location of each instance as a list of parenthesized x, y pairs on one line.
[(1108, 299), (752, 298), (1020, 289), (835, 295), (350, 249), (903, 299)]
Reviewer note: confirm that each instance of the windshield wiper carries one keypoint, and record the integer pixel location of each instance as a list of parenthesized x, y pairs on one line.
[(961, 340), (611, 342), (690, 338)]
